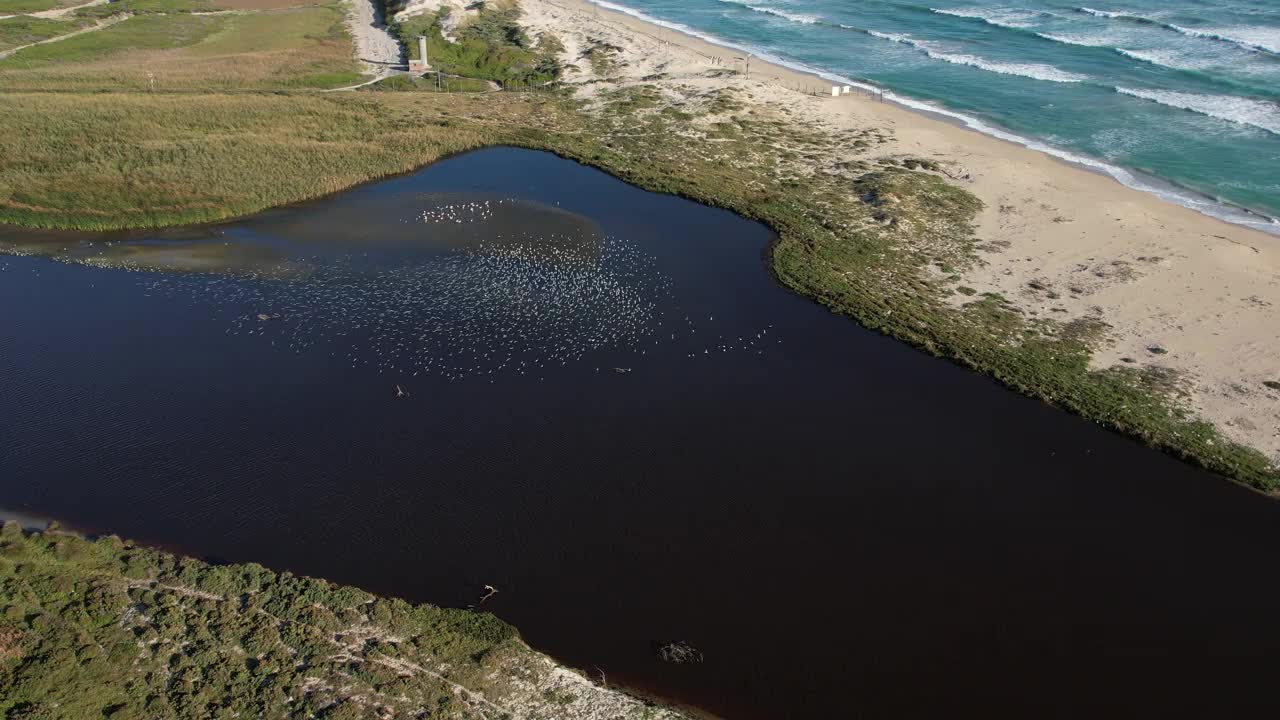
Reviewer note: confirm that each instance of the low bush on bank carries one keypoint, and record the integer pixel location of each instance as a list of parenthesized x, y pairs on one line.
[(108, 628)]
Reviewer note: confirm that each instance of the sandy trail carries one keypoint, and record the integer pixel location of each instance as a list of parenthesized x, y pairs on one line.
[(1179, 290), (61, 12), (375, 45), (101, 25)]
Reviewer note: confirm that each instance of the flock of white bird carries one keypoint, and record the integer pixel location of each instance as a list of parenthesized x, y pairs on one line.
[(464, 212), (522, 303)]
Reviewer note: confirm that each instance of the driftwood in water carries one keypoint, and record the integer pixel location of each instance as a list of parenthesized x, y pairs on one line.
[(679, 653)]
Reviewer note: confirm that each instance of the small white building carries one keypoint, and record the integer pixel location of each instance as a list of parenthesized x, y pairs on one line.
[(420, 65)]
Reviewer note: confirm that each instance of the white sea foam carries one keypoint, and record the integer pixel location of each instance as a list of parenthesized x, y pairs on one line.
[(1167, 58), (887, 36), (1250, 37), (1082, 40), (1101, 13), (776, 12), (1258, 38), (1000, 17), (1035, 71), (1165, 191), (1242, 111), (668, 24)]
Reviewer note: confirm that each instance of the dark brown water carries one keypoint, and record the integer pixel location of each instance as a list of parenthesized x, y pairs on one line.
[(845, 527)]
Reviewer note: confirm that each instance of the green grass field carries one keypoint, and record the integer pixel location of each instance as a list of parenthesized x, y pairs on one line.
[(147, 32), (148, 7), (11, 7), (22, 30), (305, 47)]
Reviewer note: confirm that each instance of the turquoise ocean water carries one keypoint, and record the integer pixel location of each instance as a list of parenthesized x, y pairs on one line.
[(1176, 97)]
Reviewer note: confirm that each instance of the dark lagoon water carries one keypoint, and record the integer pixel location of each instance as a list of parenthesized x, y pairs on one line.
[(616, 418)]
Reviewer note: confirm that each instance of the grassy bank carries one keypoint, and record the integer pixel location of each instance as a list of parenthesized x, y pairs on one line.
[(105, 628), (882, 240), (206, 158)]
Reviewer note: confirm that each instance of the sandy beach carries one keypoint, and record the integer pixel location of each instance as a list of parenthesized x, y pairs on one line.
[(1177, 290)]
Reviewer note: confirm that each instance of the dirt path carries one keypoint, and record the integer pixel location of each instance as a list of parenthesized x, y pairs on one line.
[(383, 74), (62, 12), (102, 24), (375, 46)]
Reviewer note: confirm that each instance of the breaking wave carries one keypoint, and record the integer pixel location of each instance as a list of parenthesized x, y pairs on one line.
[(1035, 71), (1015, 19), (1242, 111), (1164, 58), (1249, 37), (793, 17)]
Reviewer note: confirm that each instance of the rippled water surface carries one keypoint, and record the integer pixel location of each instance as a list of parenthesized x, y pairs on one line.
[(616, 418), (1176, 97)]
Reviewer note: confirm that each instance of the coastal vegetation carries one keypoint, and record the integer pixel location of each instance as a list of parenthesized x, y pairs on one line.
[(107, 628), (232, 129), (445, 84), (490, 46)]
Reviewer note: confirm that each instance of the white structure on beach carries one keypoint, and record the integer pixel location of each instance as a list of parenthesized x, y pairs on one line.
[(420, 65)]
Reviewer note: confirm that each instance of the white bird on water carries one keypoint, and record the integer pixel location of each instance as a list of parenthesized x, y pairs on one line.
[(500, 303)]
